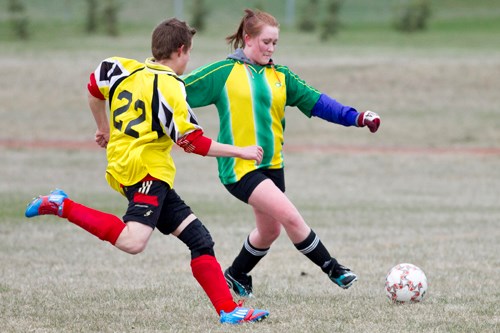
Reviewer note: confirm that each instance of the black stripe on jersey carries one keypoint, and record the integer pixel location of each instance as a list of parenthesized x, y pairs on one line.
[(192, 119), (155, 107), (117, 83), (105, 68), (168, 122)]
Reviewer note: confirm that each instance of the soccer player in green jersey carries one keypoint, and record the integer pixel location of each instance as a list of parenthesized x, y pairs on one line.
[(148, 114), (250, 93)]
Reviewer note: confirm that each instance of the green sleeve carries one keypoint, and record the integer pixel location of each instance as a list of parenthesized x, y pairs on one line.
[(298, 92), (205, 84)]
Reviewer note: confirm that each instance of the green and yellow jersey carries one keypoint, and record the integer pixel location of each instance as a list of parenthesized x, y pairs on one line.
[(148, 114), (251, 101)]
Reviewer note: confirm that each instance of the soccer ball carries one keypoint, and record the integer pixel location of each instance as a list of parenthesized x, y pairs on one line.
[(405, 283)]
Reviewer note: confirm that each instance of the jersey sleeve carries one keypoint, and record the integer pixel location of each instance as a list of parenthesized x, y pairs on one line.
[(176, 115), (93, 88), (298, 92), (333, 111), (108, 72), (205, 84)]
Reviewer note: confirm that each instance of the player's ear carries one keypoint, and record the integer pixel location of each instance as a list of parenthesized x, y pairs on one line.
[(181, 49), (246, 38)]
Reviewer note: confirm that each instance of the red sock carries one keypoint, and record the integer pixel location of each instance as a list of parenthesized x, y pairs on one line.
[(103, 225), (208, 273)]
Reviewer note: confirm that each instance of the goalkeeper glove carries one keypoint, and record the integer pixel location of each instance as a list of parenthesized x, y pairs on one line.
[(370, 119)]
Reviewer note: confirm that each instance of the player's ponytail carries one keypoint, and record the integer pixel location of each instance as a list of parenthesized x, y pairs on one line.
[(251, 24)]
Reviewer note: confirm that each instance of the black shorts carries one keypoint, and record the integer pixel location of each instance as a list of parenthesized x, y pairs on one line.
[(154, 203), (243, 188)]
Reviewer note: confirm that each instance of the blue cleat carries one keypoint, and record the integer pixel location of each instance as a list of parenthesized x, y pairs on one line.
[(342, 276), (241, 315), (51, 204)]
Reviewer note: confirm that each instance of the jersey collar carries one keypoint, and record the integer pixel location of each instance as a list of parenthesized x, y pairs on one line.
[(154, 67)]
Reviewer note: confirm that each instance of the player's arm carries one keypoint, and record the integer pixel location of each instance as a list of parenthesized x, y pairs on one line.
[(313, 103), (97, 104), (331, 110), (196, 142), (189, 135)]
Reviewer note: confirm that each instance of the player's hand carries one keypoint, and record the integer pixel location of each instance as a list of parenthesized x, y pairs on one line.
[(252, 153), (369, 119), (102, 138)]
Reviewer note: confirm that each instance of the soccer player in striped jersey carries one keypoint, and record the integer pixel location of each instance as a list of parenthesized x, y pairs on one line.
[(148, 114), (250, 93)]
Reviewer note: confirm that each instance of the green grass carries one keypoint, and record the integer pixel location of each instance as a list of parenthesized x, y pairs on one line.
[(424, 189), (439, 212)]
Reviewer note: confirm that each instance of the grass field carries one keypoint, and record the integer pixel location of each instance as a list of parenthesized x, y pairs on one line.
[(425, 189)]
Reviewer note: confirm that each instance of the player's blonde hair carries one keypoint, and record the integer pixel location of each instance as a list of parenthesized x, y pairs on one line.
[(168, 36), (251, 24)]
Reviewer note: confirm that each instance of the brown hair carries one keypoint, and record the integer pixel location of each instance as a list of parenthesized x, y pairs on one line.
[(168, 36), (251, 24)]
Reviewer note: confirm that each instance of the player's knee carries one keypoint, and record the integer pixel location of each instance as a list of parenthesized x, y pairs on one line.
[(132, 248), (137, 248), (132, 245), (270, 234), (198, 239), (292, 220)]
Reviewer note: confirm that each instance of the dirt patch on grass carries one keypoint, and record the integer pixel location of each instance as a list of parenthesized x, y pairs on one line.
[(425, 101), (293, 148)]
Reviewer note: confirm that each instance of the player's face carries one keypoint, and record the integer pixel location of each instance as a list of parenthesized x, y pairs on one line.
[(260, 48)]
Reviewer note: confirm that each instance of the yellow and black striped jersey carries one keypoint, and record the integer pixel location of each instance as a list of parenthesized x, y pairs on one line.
[(148, 114)]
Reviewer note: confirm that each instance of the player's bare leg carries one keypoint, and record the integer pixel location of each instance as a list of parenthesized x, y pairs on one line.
[(132, 237), (272, 206)]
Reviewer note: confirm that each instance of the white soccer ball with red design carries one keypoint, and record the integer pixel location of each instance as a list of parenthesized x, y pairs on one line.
[(405, 283)]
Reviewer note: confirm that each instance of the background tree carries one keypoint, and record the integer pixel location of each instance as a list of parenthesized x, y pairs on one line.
[(331, 22), (412, 15), (18, 18), (308, 16), (91, 21), (200, 13), (110, 14)]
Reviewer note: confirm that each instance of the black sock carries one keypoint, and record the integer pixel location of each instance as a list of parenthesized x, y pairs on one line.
[(246, 260), (313, 248)]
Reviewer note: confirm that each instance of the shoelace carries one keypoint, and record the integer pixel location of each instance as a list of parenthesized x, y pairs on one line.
[(249, 314)]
